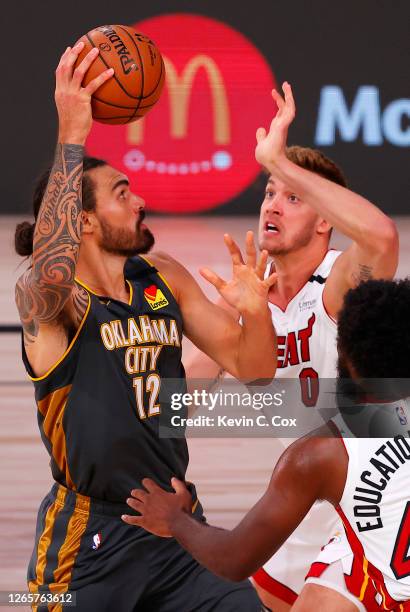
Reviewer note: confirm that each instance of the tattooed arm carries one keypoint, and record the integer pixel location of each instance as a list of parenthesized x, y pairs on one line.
[(42, 292), (374, 249), (49, 302)]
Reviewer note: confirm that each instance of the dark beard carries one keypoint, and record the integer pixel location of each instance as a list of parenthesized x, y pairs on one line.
[(125, 243)]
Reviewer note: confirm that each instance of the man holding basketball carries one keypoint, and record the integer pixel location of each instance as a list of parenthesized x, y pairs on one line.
[(102, 329), (305, 197)]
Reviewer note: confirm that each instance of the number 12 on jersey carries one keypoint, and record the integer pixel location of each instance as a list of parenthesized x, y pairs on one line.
[(152, 384)]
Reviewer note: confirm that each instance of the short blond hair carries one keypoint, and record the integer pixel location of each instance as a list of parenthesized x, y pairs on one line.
[(316, 161)]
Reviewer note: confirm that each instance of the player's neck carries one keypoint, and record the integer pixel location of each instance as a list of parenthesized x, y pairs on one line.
[(102, 272), (294, 271)]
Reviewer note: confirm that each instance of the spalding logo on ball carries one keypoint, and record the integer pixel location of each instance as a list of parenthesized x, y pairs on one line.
[(139, 73)]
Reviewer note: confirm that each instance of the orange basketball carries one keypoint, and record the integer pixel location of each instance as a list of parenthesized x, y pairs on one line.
[(138, 78)]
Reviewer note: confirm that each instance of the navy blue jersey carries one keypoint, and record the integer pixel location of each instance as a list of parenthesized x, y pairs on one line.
[(99, 406)]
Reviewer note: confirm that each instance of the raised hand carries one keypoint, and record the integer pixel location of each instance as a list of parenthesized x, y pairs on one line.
[(248, 289), (72, 100), (157, 507), (271, 146)]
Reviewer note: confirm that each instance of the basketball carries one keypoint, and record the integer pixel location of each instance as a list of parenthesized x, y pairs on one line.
[(139, 73)]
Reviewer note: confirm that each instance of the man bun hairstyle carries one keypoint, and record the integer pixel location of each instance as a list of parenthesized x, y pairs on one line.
[(23, 238), (24, 233)]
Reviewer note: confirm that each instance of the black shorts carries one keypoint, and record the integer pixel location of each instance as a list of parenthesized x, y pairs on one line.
[(84, 547)]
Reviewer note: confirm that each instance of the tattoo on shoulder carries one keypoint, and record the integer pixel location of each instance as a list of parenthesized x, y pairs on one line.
[(25, 306), (80, 300), (43, 290), (363, 273)]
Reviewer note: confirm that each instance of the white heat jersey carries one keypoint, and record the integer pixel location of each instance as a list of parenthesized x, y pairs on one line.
[(375, 506), (306, 336), (306, 333), (306, 351)]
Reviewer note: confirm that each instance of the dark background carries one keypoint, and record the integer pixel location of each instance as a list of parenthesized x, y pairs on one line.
[(311, 44)]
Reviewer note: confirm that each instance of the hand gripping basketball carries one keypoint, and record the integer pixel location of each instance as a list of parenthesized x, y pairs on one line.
[(139, 73), (73, 101)]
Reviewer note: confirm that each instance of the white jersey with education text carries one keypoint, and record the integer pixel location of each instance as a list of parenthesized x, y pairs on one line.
[(375, 508), (307, 353)]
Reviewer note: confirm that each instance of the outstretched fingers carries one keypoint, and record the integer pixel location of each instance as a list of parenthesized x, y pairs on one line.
[(261, 267), (290, 106), (234, 250), (280, 102), (212, 278), (271, 280), (250, 250), (287, 90)]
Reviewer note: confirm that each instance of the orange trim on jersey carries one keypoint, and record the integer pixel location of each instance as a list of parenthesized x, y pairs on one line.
[(365, 579), (274, 587), (131, 292), (368, 571), (384, 598), (45, 541), (80, 282), (68, 349), (71, 545), (52, 408), (160, 275), (99, 296)]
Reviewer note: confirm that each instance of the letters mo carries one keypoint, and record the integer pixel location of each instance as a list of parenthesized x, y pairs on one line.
[(365, 116)]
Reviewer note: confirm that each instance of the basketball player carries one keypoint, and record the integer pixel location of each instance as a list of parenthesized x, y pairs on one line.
[(102, 328), (366, 479), (305, 197)]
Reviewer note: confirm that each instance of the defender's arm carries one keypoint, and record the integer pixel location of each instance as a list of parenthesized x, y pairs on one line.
[(310, 469), (246, 351), (374, 252)]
